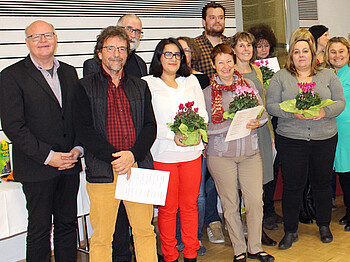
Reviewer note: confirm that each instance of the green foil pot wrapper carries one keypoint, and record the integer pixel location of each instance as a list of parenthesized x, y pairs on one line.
[(192, 137), (289, 106)]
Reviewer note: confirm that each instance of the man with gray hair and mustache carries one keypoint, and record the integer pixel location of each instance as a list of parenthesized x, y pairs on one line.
[(134, 65)]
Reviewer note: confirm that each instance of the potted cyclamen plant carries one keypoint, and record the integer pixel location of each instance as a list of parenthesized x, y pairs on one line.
[(267, 72), (307, 102), (244, 97), (189, 123)]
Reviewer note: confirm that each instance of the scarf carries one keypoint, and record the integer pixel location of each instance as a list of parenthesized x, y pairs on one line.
[(217, 110)]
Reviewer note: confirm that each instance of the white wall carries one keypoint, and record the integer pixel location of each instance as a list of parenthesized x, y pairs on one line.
[(77, 34), (335, 14)]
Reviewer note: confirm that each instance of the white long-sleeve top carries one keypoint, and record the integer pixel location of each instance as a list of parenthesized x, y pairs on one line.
[(166, 101)]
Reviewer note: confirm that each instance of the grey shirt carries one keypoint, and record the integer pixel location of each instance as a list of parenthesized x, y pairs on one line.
[(246, 146), (284, 86)]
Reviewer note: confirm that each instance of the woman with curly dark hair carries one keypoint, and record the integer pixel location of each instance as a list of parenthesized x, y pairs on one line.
[(265, 40)]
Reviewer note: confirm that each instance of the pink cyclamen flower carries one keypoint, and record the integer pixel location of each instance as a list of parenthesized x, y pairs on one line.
[(257, 63), (181, 106), (195, 109)]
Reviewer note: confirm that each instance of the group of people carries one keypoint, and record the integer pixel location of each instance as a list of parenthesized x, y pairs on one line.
[(116, 118)]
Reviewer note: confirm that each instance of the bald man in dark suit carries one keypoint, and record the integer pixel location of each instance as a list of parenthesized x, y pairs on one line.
[(36, 97)]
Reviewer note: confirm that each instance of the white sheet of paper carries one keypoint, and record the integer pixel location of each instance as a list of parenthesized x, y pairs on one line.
[(144, 186), (272, 63), (238, 125)]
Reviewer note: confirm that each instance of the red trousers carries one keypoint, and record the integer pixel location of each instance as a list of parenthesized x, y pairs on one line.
[(182, 194)]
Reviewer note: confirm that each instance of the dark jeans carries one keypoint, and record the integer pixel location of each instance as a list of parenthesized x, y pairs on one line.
[(121, 237), (269, 191), (296, 156), (57, 197), (211, 202), (344, 180)]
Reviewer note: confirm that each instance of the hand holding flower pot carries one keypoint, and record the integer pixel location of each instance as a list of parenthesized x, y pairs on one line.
[(189, 124), (307, 103)]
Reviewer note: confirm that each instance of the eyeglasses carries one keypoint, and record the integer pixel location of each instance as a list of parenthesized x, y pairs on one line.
[(112, 48), (187, 50), (131, 30), (37, 37), (170, 55)]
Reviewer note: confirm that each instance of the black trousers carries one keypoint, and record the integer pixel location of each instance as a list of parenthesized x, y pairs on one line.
[(296, 156), (270, 187), (121, 237), (344, 180), (55, 197), (269, 191)]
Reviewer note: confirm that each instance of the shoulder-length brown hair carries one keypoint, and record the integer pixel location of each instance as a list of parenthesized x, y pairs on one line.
[(333, 40), (290, 66), (245, 36), (195, 49)]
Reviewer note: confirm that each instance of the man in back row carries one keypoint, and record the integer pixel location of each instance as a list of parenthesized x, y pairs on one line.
[(213, 20), (134, 64)]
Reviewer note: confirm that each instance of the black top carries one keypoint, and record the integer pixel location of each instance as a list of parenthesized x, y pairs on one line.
[(203, 80), (135, 65)]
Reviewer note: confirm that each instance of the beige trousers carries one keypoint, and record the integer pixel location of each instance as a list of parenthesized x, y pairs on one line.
[(103, 215), (247, 172)]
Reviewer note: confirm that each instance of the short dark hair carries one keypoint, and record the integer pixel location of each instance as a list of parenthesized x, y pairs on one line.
[(317, 31), (211, 4), (263, 31), (195, 49), (247, 37), (221, 49), (156, 68), (106, 33)]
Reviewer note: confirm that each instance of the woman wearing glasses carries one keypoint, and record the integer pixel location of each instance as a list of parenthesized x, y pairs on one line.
[(172, 84)]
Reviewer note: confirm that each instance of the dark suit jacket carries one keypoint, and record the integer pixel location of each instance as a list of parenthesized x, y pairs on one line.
[(134, 66), (33, 120)]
